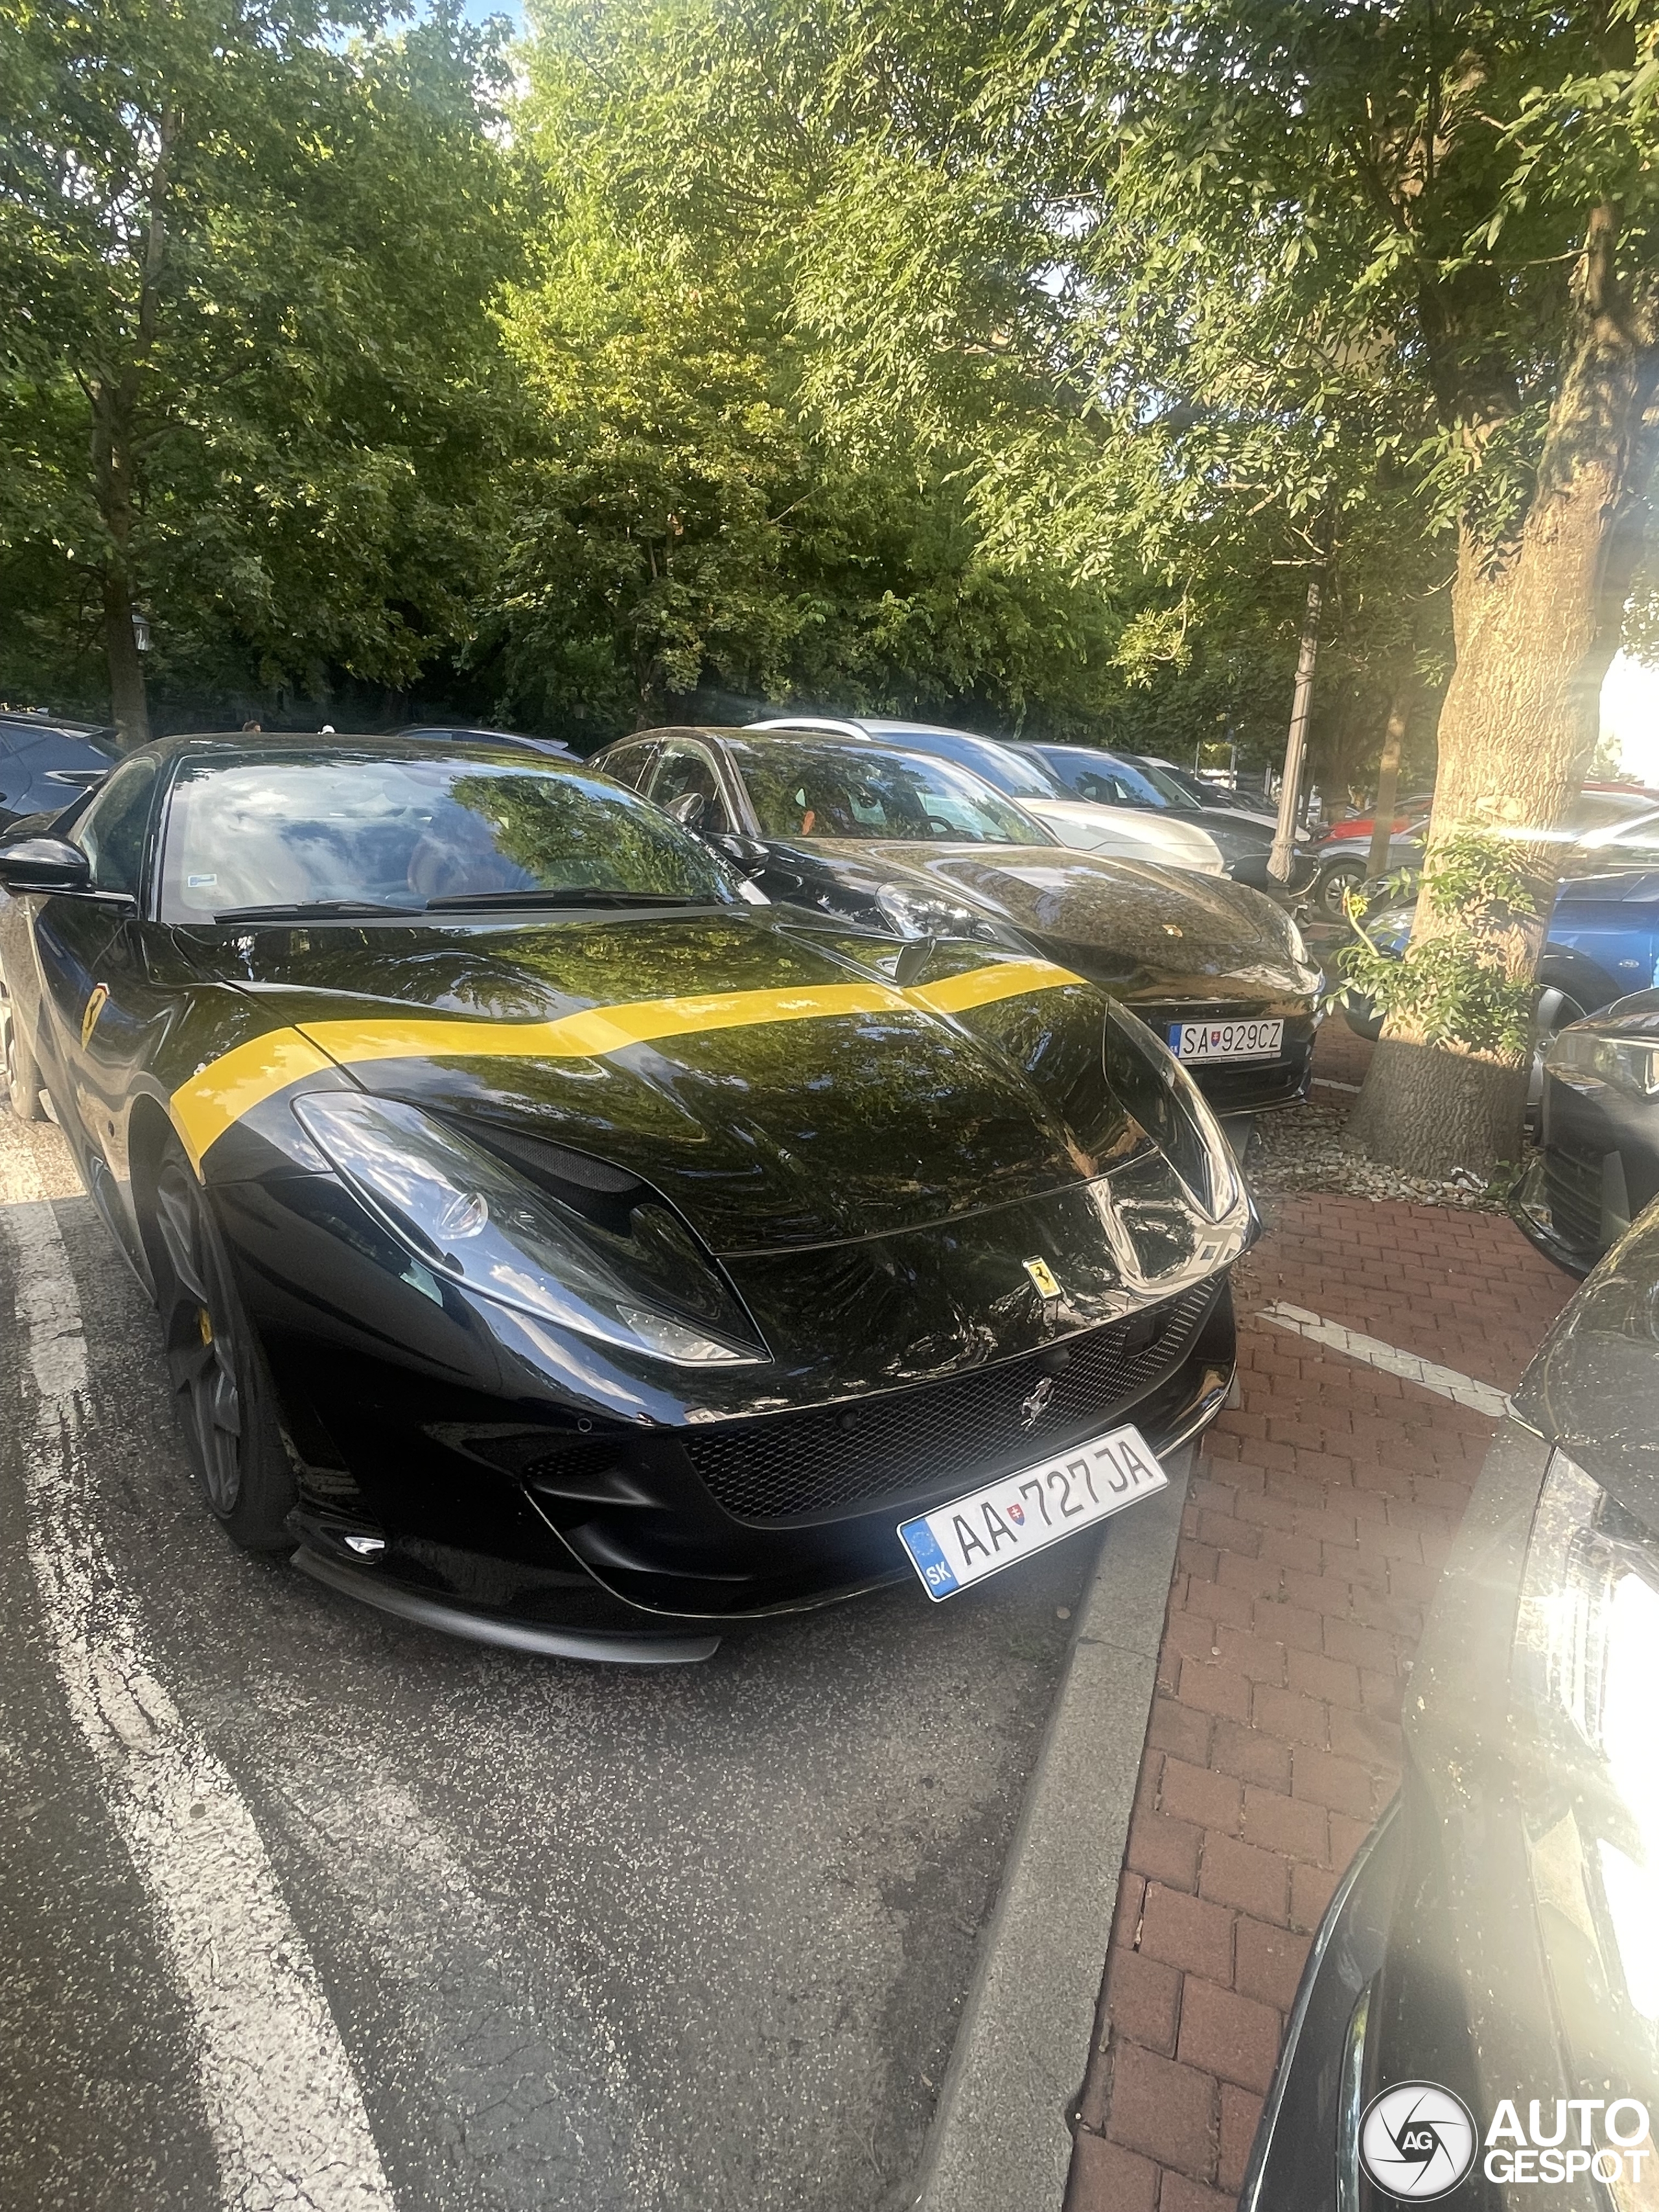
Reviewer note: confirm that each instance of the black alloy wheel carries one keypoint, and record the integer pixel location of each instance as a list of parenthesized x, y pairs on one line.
[(20, 1077), (225, 1401)]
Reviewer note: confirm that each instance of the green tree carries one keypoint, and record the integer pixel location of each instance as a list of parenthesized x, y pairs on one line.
[(1198, 266), (248, 383), (683, 526)]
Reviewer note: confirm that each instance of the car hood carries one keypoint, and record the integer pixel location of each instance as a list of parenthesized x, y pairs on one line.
[(1239, 835), (1133, 832), (765, 1072), (1144, 931)]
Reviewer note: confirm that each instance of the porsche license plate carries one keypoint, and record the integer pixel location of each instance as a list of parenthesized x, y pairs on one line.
[(1226, 1040), (1019, 1514)]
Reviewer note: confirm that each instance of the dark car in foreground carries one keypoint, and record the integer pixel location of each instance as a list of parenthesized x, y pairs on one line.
[(1597, 1165), (904, 839), (46, 762), (1477, 2021), (559, 1243)]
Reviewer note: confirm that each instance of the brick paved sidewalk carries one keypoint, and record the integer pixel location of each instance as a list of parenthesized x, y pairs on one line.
[(1319, 1515)]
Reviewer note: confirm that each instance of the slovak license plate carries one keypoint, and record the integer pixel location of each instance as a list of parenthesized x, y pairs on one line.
[(1226, 1040), (1019, 1514)]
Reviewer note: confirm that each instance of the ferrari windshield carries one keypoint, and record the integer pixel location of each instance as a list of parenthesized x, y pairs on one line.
[(810, 788), (399, 831)]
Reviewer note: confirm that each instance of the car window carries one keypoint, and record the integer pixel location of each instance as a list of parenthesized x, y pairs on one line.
[(687, 768), (398, 829), (803, 788), (41, 750), (1018, 776), (112, 831), (1633, 845), (1111, 782), (630, 764), (1601, 810)]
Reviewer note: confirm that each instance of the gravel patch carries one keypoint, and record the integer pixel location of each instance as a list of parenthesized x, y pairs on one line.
[(1305, 1148)]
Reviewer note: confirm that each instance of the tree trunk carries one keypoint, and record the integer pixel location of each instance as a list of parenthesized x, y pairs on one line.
[(129, 707), (1387, 786), (1281, 859), (114, 398), (1538, 620), (1430, 1111)]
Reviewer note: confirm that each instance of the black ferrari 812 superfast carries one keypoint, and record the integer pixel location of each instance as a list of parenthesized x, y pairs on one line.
[(556, 1241)]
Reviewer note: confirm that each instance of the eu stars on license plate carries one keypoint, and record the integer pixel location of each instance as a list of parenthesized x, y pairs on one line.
[(1009, 1519), (1226, 1040)]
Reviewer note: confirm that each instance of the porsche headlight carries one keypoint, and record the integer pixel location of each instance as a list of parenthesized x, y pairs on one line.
[(1157, 1089), (1622, 1063), (466, 1216), (924, 913), (1584, 1668)]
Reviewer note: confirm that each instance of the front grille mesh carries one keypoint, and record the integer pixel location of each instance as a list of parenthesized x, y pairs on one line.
[(1572, 1191), (963, 1431)]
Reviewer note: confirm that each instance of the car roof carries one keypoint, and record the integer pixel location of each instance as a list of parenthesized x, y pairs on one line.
[(14, 719), (472, 730), (231, 744), (877, 725)]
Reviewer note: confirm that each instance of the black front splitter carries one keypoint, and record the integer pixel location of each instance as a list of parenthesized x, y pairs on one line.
[(615, 1648)]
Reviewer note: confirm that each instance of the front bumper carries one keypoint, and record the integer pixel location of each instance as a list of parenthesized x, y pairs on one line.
[(1245, 1087), (606, 1530), (454, 1453)]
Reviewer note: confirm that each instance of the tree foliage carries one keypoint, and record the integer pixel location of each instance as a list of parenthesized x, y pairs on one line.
[(248, 380)]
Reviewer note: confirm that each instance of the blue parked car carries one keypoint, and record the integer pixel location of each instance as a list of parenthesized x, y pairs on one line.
[(1603, 941)]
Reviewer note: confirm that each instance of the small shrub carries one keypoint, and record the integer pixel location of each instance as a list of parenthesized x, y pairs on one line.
[(1456, 987)]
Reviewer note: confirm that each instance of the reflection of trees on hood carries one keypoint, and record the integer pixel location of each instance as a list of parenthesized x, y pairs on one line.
[(564, 831)]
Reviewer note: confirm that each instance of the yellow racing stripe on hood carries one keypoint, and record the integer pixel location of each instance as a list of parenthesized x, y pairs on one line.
[(226, 1089), (221, 1093), (980, 986)]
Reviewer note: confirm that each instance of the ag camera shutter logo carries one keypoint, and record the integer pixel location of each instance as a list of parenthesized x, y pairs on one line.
[(1417, 2141)]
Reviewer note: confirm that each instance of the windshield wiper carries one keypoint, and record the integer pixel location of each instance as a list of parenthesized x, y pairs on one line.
[(303, 911), (577, 894)]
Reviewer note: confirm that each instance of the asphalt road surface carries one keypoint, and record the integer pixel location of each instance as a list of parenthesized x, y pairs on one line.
[(303, 1907)]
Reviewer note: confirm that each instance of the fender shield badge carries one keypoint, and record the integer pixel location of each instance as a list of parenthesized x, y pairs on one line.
[(95, 1005), (1043, 1278)]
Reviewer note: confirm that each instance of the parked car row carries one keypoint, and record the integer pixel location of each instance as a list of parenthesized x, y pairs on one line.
[(895, 835), (1603, 830), (593, 1204)]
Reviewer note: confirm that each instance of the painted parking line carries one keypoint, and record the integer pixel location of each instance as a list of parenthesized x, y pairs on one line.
[(281, 2100), (1445, 1382)]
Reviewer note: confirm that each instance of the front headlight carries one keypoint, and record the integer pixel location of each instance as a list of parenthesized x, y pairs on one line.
[(1152, 1084), (466, 1216), (1585, 1670), (1585, 1060), (924, 913), (1297, 943)]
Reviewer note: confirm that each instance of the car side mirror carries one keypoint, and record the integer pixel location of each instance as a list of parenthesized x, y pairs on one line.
[(44, 864), (689, 808), (746, 854)]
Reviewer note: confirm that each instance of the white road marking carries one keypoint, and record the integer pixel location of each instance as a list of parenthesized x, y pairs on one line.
[(280, 2098), (1330, 1083), (1445, 1382)]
